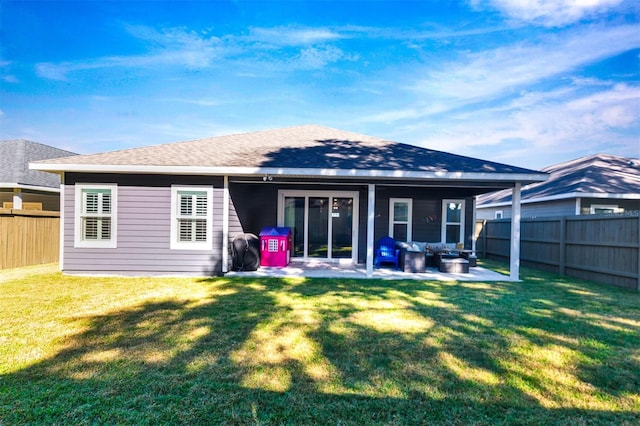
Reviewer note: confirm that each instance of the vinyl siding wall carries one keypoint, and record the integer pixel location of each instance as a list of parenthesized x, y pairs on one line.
[(558, 208), (143, 238), (548, 208)]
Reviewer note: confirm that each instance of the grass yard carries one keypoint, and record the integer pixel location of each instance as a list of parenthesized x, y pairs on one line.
[(548, 350)]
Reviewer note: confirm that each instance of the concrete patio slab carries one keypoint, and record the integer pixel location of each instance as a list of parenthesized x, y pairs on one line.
[(334, 270)]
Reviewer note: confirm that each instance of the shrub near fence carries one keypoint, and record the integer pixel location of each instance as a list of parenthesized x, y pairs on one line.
[(605, 249), (28, 237)]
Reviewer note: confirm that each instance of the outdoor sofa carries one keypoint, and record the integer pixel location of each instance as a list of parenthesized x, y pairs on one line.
[(416, 256)]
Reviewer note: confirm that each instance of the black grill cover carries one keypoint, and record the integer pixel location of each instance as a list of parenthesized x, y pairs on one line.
[(245, 252)]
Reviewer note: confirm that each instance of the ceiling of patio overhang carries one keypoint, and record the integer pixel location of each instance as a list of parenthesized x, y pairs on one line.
[(472, 187)]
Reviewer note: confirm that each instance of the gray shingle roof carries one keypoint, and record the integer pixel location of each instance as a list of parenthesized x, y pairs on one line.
[(595, 174), (15, 156), (302, 147)]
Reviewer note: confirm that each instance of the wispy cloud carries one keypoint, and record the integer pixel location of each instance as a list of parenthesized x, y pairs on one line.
[(188, 58), (281, 48), (528, 94), (5, 73), (569, 122), (199, 50), (205, 102), (169, 47), (550, 13), (293, 47), (293, 36), (501, 79), (318, 57), (490, 73)]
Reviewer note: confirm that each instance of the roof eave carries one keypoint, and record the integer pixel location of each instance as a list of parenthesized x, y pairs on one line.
[(275, 171), (569, 195), (39, 188)]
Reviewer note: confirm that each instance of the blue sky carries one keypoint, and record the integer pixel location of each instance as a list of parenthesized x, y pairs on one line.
[(529, 83)]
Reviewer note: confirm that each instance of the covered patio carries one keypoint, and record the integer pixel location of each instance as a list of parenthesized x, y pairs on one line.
[(359, 271)]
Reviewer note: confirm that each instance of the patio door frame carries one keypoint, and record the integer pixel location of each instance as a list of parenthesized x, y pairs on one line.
[(355, 195)]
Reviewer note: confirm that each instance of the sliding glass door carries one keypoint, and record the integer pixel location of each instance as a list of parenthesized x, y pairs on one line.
[(318, 229), (324, 224), (342, 228), (294, 218)]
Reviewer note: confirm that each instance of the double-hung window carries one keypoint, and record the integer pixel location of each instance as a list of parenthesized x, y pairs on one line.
[(191, 217), (453, 221), (96, 215), (400, 218)]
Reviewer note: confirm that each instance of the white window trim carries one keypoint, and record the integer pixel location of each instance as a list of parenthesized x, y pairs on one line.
[(78, 241), (409, 221), (443, 234), (189, 245), (498, 212)]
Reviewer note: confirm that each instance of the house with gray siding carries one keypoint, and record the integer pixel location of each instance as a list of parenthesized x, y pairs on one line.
[(174, 209), (22, 188), (596, 184)]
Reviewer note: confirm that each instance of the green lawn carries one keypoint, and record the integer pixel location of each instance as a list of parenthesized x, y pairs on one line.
[(548, 350)]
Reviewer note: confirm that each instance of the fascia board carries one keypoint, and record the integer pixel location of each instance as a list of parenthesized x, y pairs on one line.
[(272, 171), (568, 195), (31, 187)]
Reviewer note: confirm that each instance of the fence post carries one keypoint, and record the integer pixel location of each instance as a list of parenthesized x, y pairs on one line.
[(563, 246), (484, 239), (514, 251)]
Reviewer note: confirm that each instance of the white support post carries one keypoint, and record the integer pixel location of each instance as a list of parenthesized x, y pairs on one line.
[(17, 198), (371, 215), (473, 225), (63, 217), (225, 226), (514, 267)]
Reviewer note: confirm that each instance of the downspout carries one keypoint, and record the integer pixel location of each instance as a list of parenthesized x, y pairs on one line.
[(514, 267), (371, 215), (225, 225)]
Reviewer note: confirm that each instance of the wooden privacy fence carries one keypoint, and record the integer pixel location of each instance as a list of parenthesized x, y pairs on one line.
[(28, 237), (598, 248)]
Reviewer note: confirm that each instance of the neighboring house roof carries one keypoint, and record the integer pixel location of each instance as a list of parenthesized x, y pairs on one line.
[(595, 176), (15, 156), (308, 150)]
